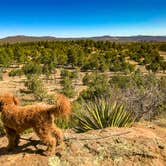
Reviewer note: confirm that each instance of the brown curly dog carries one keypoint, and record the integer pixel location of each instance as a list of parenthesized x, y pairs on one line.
[(40, 117)]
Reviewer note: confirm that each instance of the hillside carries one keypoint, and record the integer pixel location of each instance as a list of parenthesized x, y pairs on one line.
[(132, 38), (143, 144), (15, 39), (19, 39)]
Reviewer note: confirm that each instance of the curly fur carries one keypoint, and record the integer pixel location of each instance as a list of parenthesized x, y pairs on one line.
[(40, 117)]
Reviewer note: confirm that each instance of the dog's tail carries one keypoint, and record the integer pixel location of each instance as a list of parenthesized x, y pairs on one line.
[(62, 106)]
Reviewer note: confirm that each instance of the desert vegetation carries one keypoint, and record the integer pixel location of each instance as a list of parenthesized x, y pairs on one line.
[(95, 75), (44, 57), (111, 85)]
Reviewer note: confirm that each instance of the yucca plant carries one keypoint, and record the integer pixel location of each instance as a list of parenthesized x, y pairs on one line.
[(101, 114)]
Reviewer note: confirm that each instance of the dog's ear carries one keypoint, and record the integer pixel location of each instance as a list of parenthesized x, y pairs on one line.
[(16, 100)]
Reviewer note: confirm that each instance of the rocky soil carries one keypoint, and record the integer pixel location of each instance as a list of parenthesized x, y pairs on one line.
[(143, 144)]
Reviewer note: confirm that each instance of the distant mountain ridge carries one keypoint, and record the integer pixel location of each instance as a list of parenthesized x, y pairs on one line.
[(15, 39)]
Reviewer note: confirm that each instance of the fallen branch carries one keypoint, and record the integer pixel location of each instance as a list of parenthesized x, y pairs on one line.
[(83, 139)]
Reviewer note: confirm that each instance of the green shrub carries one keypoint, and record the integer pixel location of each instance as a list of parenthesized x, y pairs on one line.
[(66, 73), (15, 72), (32, 68), (101, 114), (87, 79), (67, 87), (98, 85), (67, 83), (36, 86), (62, 123)]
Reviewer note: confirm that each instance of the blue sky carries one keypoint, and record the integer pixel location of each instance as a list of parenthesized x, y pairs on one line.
[(74, 18)]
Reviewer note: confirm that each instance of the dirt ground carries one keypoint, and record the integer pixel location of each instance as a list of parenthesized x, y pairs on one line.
[(52, 85), (143, 144)]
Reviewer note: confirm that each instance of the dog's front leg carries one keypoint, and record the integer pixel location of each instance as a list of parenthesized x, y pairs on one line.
[(58, 134), (45, 135), (13, 138)]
